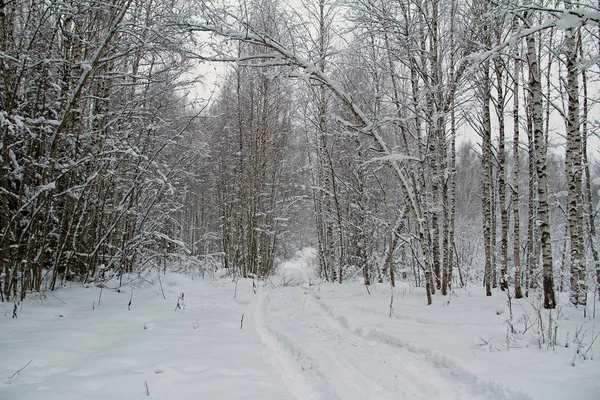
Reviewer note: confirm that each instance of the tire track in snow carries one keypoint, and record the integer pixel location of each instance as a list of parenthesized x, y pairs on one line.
[(445, 365), (283, 356), (416, 319), (346, 365)]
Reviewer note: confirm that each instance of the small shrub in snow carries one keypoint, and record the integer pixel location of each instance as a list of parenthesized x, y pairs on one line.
[(291, 281), (584, 339), (180, 303)]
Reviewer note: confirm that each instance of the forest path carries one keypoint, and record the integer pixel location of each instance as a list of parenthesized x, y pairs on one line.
[(323, 359), (320, 355)]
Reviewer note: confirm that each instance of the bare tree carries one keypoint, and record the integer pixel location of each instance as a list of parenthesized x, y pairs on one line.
[(535, 89), (516, 179), (574, 172)]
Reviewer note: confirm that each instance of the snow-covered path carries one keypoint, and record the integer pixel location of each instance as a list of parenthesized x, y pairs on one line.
[(341, 364)]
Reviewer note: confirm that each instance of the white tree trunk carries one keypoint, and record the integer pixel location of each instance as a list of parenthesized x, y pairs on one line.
[(540, 169)]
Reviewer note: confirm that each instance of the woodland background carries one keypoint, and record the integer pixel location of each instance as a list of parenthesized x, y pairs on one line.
[(337, 125)]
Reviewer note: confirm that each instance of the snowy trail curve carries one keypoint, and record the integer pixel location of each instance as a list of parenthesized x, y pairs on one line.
[(279, 354), (446, 366), (323, 359)]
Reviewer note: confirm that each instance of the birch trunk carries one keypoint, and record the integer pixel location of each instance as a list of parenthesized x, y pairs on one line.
[(540, 169), (450, 178), (516, 170), (499, 70), (578, 289), (486, 183)]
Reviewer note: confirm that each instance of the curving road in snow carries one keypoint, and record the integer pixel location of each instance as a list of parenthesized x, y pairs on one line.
[(322, 358)]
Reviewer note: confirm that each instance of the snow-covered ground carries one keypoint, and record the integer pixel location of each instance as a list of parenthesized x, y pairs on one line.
[(299, 339)]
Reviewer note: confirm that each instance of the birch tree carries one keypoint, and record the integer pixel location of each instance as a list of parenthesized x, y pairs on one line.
[(535, 89), (80, 71), (574, 173), (516, 178)]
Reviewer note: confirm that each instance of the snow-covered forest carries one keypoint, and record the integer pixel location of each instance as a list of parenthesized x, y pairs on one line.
[(431, 153)]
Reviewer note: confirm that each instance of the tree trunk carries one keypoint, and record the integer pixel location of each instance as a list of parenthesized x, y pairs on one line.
[(540, 169), (499, 70), (486, 180), (578, 289), (447, 281), (516, 170)]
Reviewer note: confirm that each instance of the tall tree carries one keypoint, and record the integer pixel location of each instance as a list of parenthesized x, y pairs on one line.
[(535, 89), (516, 179), (574, 172)]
